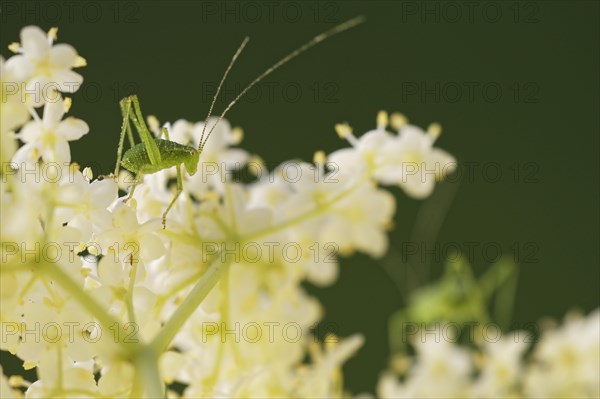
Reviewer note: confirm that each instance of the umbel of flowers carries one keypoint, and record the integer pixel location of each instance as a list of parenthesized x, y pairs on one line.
[(104, 302)]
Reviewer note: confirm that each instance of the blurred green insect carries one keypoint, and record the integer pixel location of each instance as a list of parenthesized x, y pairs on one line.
[(155, 154)]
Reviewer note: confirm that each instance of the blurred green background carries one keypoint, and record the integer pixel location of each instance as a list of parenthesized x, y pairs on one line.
[(515, 85)]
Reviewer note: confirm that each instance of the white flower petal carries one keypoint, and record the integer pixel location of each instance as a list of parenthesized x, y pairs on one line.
[(374, 140), (347, 160), (443, 161), (324, 273), (13, 112), (39, 90), (34, 42), (151, 247), (53, 113), (67, 80), (63, 56), (371, 240), (417, 187), (18, 69), (23, 155), (30, 132), (181, 131), (233, 158), (414, 135), (103, 192), (72, 129)]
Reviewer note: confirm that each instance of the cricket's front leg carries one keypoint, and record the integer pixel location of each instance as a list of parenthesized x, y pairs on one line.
[(136, 180), (179, 190)]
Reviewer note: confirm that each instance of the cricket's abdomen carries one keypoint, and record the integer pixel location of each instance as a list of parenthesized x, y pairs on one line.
[(136, 158)]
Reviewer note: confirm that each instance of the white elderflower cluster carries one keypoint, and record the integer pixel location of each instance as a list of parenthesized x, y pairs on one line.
[(562, 364), (103, 301), (407, 159)]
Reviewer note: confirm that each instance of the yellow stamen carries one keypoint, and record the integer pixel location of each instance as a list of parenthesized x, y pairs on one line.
[(80, 62), (237, 135), (92, 249), (16, 381), (343, 130), (68, 102), (87, 173), (53, 33), (29, 364), (14, 47), (382, 119), (319, 158), (80, 248), (398, 121), (331, 340), (434, 130)]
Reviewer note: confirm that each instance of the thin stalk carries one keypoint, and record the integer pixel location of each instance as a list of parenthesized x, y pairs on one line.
[(306, 215), (62, 279), (148, 374), (200, 291), (132, 278)]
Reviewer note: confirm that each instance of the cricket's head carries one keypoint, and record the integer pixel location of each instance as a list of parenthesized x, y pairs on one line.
[(191, 163)]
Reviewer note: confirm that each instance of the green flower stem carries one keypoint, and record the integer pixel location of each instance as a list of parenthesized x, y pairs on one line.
[(316, 211), (147, 361), (147, 373), (210, 278), (211, 380), (190, 304), (137, 389), (57, 274), (201, 290), (179, 286), (132, 278)]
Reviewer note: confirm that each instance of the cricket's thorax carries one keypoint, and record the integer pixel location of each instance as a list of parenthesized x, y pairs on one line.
[(136, 159)]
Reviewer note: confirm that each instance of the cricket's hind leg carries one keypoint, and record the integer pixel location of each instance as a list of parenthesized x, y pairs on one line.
[(125, 105), (177, 193)]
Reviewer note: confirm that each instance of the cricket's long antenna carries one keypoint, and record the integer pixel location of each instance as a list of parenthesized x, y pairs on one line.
[(317, 39), (235, 56)]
